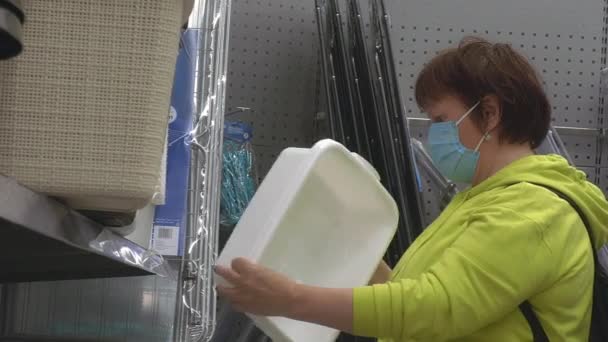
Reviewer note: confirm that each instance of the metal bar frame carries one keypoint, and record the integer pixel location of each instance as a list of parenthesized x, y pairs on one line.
[(196, 305), (408, 196)]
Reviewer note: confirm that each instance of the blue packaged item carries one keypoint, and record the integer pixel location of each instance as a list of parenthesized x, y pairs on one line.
[(169, 230), (238, 176)]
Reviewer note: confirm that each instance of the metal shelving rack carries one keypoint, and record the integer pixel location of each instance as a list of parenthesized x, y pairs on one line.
[(44, 240), (196, 306)]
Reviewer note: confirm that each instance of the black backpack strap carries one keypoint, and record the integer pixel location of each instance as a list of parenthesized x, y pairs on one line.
[(538, 333)]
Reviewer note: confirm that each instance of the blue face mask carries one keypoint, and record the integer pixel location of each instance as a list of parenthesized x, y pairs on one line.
[(454, 160)]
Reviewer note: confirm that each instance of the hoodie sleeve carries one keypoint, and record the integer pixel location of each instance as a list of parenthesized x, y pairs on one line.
[(499, 261)]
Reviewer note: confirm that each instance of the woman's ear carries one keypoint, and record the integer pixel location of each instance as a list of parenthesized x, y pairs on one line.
[(491, 112)]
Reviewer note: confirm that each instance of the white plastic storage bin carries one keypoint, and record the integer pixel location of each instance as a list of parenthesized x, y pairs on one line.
[(84, 108), (321, 217)]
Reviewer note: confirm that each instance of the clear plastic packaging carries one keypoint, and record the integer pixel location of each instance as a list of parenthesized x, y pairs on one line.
[(238, 176), (111, 244)]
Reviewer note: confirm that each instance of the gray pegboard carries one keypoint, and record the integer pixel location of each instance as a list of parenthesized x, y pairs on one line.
[(603, 179), (419, 129), (431, 200), (582, 149), (273, 70), (561, 38), (265, 157), (591, 173), (604, 153)]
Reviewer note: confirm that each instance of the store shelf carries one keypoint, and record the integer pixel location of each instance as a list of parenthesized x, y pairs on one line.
[(44, 240)]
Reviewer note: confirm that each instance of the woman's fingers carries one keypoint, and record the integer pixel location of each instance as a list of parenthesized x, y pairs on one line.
[(237, 299), (256, 289), (242, 266), (237, 272), (228, 274), (227, 292)]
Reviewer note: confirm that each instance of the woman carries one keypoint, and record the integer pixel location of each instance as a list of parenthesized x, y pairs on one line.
[(505, 241)]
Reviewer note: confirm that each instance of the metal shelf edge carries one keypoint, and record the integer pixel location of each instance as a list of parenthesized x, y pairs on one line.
[(45, 240)]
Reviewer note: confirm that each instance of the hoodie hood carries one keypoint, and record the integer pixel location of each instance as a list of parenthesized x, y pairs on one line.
[(553, 171)]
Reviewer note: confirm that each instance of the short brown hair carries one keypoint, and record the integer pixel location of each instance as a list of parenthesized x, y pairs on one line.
[(477, 68)]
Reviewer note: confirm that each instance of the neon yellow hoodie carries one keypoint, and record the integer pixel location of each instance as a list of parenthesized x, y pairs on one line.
[(496, 245)]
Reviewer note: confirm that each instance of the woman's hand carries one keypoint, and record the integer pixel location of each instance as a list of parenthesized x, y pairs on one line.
[(263, 292), (257, 290)]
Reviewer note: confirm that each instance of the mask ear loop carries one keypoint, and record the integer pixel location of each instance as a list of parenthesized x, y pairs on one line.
[(467, 113), (485, 137)]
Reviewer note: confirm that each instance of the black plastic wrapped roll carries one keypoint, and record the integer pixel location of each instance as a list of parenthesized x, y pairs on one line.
[(11, 26)]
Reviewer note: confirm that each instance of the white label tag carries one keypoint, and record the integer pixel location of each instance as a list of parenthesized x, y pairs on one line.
[(165, 239)]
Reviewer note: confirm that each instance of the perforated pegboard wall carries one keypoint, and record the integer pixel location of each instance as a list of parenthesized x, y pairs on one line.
[(582, 149), (603, 179), (273, 70), (430, 200), (561, 38), (592, 174)]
